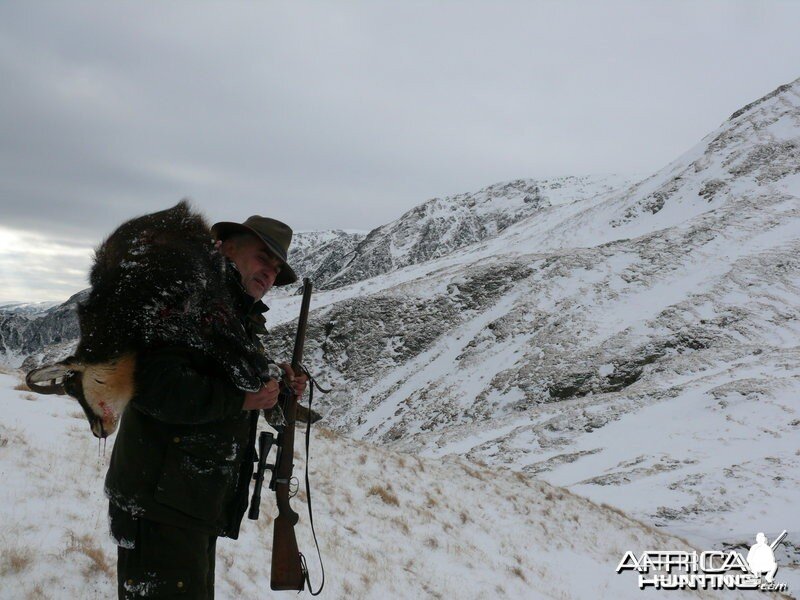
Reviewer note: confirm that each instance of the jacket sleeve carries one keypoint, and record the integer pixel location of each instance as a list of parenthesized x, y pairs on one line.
[(171, 388)]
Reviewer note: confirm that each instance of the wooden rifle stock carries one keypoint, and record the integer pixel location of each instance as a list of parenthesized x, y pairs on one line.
[(287, 568)]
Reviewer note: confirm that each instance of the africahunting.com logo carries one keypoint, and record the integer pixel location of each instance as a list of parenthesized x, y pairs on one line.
[(711, 570)]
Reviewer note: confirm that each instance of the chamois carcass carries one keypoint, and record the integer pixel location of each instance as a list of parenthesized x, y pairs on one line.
[(157, 280)]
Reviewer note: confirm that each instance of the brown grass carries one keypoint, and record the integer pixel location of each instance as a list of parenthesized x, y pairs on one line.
[(402, 525), (474, 473), (238, 588), (37, 593), (84, 544), (385, 494), (323, 432), (464, 517), (519, 573), (22, 387), (15, 560), (366, 581), (432, 543)]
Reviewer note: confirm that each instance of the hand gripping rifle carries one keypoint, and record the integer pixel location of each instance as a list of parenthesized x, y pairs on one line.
[(288, 564)]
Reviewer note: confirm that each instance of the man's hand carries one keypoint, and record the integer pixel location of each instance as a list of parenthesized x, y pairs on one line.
[(266, 397), (296, 382)]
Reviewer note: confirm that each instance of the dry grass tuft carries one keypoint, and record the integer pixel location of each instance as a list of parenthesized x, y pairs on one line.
[(37, 593), (519, 573), (366, 581), (432, 543), (385, 494), (362, 459), (236, 586), (15, 560), (474, 473), (402, 525), (22, 387), (84, 544), (464, 517), (323, 432)]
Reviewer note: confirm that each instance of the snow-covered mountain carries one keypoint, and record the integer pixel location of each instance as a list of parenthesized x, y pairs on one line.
[(37, 332), (321, 254), (440, 226), (25, 308), (635, 344), (639, 348)]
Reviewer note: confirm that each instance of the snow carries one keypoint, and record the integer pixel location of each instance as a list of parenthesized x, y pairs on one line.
[(389, 524)]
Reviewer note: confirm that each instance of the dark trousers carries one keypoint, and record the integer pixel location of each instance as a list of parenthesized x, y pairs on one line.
[(155, 560)]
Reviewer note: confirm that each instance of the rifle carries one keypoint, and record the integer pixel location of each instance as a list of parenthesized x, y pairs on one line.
[(288, 564)]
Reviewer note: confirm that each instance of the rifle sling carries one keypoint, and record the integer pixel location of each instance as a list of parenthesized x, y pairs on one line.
[(308, 489)]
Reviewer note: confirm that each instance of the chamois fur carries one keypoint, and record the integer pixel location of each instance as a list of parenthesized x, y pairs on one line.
[(157, 280)]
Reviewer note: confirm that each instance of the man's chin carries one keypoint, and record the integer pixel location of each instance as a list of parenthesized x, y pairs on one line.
[(257, 291)]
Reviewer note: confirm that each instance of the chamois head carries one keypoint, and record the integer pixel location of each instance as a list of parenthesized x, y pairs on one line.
[(103, 390)]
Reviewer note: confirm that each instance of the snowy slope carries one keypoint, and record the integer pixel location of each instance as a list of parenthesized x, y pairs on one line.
[(640, 349), (390, 525)]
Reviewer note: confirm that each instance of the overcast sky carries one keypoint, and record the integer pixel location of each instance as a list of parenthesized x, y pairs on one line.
[(343, 114)]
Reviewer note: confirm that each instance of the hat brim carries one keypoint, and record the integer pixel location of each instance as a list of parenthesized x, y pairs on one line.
[(225, 229)]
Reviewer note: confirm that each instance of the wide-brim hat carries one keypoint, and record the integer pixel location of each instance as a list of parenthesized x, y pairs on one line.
[(276, 237)]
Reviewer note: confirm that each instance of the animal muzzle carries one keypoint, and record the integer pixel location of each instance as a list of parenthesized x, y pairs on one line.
[(73, 385)]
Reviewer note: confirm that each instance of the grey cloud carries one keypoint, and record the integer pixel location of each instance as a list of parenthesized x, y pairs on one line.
[(347, 114)]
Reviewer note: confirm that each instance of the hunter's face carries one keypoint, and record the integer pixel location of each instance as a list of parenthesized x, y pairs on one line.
[(257, 265)]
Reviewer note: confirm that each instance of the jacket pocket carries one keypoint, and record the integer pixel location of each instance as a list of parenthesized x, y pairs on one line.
[(197, 477)]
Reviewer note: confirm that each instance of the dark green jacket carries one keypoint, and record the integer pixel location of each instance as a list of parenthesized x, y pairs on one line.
[(185, 448)]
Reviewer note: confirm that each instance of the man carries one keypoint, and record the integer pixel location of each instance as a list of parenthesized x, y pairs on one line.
[(183, 459)]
